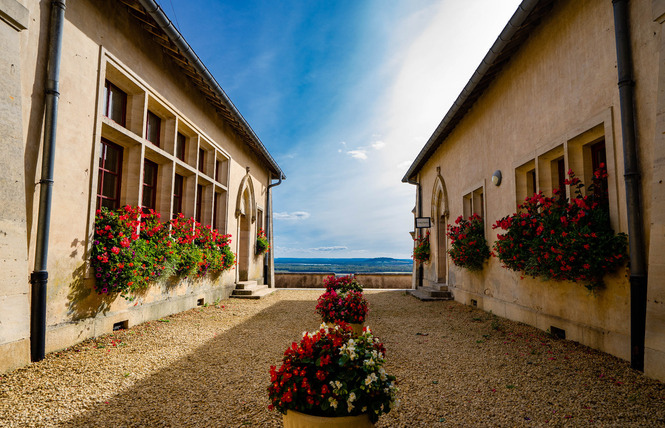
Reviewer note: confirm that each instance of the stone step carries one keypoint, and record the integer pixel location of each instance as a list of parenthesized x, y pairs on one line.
[(440, 286), (245, 284), (248, 290), (429, 293), (255, 295)]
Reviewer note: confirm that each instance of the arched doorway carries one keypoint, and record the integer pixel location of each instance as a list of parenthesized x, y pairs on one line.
[(246, 216), (440, 220)]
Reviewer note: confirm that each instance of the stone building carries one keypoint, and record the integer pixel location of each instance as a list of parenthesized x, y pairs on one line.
[(567, 83), (105, 104)]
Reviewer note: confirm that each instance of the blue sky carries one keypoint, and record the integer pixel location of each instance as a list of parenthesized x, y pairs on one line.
[(344, 94)]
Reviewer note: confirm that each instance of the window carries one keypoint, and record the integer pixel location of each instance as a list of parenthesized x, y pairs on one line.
[(110, 175), (598, 157), (474, 203), (153, 127), (218, 170), (178, 190), (259, 219), (202, 154), (215, 216), (180, 147), (115, 103), (149, 184), (199, 202), (559, 176), (531, 187)]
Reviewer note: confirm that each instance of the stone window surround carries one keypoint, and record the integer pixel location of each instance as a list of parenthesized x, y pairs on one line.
[(574, 146), (136, 149)]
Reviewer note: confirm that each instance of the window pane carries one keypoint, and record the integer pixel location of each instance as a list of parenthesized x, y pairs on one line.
[(115, 103), (109, 203), (153, 128), (148, 197), (112, 160), (109, 186), (180, 147), (149, 173)]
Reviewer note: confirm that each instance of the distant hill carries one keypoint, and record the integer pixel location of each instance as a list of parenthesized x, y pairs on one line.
[(343, 266)]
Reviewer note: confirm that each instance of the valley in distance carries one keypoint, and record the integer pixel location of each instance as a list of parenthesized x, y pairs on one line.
[(343, 266)]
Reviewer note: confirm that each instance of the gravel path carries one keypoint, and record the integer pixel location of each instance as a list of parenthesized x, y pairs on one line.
[(456, 366)]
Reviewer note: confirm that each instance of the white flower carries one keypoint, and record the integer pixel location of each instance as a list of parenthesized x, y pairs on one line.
[(351, 406), (382, 374), (364, 409), (352, 397), (333, 402), (371, 378)]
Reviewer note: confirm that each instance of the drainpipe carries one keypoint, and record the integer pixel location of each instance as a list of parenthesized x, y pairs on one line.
[(638, 267), (266, 262), (39, 277), (419, 212)]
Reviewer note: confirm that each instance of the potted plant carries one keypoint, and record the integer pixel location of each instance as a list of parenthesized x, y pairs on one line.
[(554, 238), (342, 284), (468, 247), (262, 243), (421, 250), (344, 307), (331, 374)]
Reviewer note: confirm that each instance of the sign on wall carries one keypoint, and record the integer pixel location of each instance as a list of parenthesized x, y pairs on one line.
[(423, 222)]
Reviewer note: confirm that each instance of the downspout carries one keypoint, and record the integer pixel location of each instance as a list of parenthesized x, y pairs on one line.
[(39, 277), (419, 212), (266, 260), (638, 267)]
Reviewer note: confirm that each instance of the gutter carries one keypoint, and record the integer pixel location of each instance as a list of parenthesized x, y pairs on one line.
[(39, 277), (638, 265), (514, 25), (419, 212), (156, 12), (266, 260)]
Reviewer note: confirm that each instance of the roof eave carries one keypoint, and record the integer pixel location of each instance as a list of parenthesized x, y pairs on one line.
[(185, 50)]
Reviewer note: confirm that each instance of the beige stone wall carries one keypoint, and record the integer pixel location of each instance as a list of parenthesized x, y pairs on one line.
[(558, 93), (654, 358), (315, 280), (100, 40), (14, 286)]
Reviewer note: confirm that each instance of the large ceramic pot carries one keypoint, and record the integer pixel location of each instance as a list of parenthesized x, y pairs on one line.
[(293, 419)]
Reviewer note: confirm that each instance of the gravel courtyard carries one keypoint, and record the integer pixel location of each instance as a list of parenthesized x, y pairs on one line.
[(456, 366)]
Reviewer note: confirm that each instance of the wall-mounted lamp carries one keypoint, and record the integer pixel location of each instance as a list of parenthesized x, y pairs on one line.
[(496, 178)]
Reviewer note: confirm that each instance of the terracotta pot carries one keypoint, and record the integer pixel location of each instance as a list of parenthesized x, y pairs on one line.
[(293, 419)]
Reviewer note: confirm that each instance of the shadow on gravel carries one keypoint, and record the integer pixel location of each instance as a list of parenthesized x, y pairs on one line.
[(456, 366), (222, 383)]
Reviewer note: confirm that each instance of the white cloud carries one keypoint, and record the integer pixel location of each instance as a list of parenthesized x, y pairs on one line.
[(336, 248), (378, 145), (404, 165), (358, 154), (296, 215)]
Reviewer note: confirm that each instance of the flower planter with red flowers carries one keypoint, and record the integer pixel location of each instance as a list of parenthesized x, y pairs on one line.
[(332, 374), (421, 249), (348, 307), (133, 248), (468, 247), (342, 284), (554, 238), (262, 243)]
